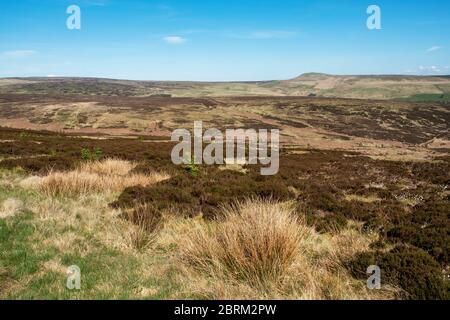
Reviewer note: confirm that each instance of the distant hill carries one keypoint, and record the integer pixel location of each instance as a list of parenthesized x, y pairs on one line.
[(368, 86), (414, 88)]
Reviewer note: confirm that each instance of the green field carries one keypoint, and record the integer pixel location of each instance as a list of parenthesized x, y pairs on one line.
[(442, 98)]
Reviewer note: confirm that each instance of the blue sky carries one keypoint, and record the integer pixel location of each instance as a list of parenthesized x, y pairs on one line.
[(222, 40)]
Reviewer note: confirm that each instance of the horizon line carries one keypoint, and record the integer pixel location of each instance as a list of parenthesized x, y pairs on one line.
[(231, 81)]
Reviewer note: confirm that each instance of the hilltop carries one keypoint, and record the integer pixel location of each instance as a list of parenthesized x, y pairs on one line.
[(416, 88)]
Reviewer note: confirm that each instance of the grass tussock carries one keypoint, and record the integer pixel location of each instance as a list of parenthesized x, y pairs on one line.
[(257, 242), (148, 222), (99, 176), (110, 166), (261, 250)]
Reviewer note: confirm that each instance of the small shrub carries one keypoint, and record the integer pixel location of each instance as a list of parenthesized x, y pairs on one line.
[(98, 154), (24, 136), (85, 154), (95, 155), (192, 168)]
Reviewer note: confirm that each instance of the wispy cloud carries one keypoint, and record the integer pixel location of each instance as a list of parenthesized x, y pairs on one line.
[(265, 34), (252, 35), (429, 69), (19, 53), (434, 48), (174, 40)]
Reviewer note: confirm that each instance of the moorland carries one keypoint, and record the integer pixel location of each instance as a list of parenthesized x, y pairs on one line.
[(86, 179)]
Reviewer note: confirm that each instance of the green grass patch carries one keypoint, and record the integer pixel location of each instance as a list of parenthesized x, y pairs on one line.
[(428, 97), (18, 260)]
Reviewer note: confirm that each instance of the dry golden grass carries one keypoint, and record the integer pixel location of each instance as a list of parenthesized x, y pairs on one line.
[(79, 182), (257, 243), (234, 167), (109, 175), (108, 167), (10, 207), (89, 214), (261, 251), (367, 199)]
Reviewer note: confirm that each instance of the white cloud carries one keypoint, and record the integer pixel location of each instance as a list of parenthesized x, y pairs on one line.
[(429, 70), (174, 40), (434, 48), (19, 53), (435, 69)]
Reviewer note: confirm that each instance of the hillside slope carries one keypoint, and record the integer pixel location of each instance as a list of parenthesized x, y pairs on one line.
[(435, 88), (367, 87)]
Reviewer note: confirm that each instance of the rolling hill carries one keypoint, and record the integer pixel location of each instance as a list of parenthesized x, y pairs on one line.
[(420, 88)]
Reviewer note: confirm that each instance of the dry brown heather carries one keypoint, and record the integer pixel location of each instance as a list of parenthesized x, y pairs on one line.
[(381, 129)]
